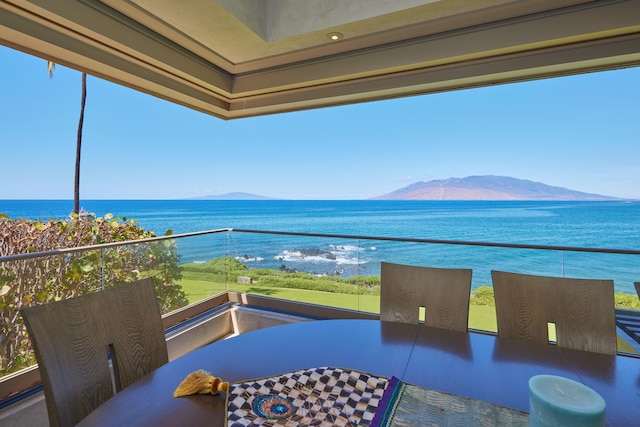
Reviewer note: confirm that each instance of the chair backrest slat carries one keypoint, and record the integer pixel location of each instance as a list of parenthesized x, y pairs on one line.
[(583, 310), (75, 340), (443, 292)]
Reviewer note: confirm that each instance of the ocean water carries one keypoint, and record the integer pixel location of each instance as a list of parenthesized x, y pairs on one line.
[(611, 224)]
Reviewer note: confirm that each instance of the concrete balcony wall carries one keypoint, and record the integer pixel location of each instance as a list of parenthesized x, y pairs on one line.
[(246, 319), (195, 334)]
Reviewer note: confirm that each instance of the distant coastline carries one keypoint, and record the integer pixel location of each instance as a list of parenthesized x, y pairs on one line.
[(484, 187), (234, 196)]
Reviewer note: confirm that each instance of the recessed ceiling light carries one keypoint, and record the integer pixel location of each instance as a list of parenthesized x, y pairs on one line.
[(335, 36)]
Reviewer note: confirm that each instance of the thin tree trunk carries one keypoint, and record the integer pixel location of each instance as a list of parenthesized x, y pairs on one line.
[(76, 186)]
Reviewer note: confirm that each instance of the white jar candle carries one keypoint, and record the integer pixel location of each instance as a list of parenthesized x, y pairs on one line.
[(556, 401)]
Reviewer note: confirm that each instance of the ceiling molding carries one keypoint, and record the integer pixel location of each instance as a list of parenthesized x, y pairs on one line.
[(138, 52), (599, 55)]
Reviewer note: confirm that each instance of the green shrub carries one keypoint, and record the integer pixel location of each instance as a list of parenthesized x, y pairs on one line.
[(224, 265), (62, 276), (228, 269), (483, 295), (628, 301)]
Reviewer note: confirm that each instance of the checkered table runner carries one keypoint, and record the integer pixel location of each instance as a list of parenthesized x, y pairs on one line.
[(323, 397)]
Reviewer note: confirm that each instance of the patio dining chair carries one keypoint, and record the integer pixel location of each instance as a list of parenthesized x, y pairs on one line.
[(581, 310), (443, 292), (90, 347)]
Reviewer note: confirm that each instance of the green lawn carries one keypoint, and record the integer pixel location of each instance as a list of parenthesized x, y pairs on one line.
[(482, 317)]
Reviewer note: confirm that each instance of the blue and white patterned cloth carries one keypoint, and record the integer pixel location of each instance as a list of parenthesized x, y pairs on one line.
[(322, 397)]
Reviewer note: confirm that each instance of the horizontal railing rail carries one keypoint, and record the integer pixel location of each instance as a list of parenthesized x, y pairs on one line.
[(446, 242), (34, 255)]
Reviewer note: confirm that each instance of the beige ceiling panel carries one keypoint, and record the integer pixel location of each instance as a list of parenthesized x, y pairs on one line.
[(487, 41)]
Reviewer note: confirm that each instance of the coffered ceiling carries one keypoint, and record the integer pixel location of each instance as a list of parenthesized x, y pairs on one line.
[(239, 58)]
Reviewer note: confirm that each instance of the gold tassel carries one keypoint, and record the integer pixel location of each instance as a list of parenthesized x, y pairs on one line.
[(200, 382)]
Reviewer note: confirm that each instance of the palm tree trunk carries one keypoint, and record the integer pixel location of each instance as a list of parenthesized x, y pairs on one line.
[(76, 186)]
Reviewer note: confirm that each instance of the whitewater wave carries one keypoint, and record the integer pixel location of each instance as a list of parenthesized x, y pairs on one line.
[(344, 248), (248, 258), (339, 255)]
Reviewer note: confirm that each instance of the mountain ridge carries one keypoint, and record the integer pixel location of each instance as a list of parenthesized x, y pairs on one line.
[(487, 187)]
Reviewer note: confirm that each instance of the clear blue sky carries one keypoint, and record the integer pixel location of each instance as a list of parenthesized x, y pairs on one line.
[(580, 132)]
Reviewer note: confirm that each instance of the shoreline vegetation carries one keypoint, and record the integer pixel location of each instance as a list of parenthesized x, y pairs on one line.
[(228, 270), (202, 280)]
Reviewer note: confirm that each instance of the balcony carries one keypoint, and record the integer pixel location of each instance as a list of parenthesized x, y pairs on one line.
[(238, 280)]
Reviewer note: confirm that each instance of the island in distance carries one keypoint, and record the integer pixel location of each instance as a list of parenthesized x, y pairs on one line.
[(487, 187), (234, 196)]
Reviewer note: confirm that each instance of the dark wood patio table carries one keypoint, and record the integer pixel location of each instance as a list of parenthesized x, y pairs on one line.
[(475, 365)]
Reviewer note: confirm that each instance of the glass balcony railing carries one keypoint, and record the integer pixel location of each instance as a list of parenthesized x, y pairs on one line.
[(340, 271)]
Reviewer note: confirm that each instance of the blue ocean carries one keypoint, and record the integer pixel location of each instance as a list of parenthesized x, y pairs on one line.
[(609, 225)]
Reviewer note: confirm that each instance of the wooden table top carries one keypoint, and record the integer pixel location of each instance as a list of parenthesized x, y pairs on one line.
[(468, 364)]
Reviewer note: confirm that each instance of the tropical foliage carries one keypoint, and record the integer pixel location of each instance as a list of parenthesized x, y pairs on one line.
[(66, 275)]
